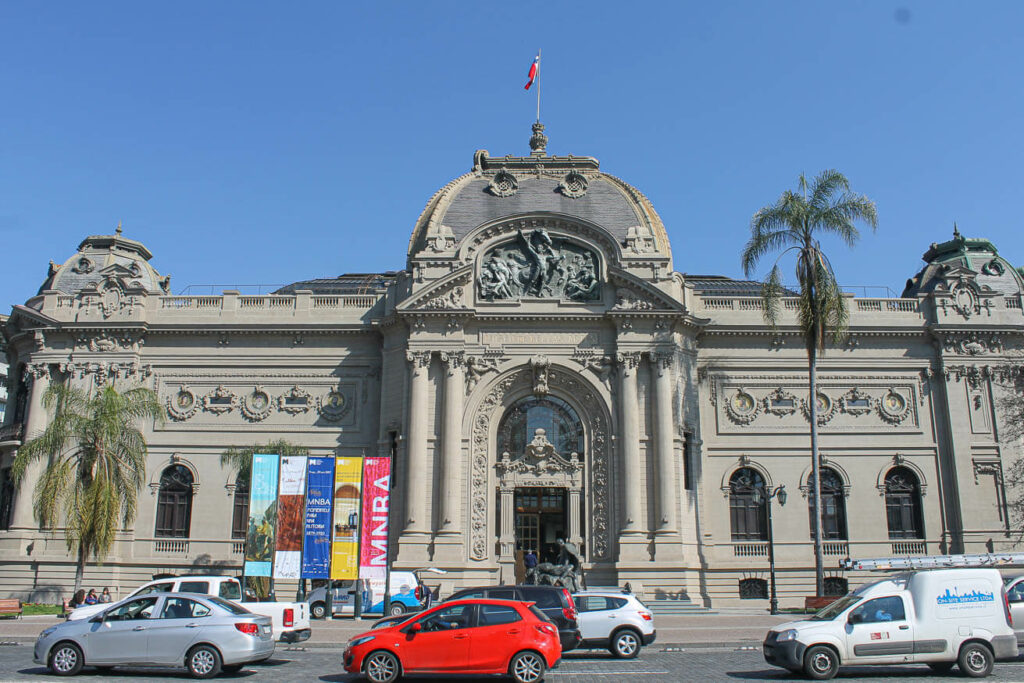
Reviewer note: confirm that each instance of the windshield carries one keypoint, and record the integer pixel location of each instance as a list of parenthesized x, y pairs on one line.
[(836, 608), (232, 607)]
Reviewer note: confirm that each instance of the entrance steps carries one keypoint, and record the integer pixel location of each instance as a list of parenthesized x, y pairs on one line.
[(677, 606)]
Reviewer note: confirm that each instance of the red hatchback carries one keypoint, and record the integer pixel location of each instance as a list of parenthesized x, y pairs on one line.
[(475, 637)]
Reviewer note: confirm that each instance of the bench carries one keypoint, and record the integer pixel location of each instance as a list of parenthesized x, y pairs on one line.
[(813, 603), (10, 607)]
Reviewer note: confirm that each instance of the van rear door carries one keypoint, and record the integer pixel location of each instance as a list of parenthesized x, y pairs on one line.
[(879, 631)]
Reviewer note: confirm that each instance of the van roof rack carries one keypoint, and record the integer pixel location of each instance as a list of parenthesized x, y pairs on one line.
[(935, 562)]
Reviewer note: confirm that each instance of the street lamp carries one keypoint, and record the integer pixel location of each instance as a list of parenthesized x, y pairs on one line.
[(759, 496)]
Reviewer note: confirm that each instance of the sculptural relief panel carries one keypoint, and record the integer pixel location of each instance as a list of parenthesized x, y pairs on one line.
[(537, 265)]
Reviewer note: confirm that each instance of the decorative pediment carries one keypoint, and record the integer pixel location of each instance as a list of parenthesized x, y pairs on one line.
[(446, 294), (540, 463), (633, 294)]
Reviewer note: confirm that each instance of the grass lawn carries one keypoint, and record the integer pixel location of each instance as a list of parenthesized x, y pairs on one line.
[(30, 608)]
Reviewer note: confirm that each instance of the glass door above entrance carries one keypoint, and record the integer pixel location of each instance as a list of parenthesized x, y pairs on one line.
[(541, 519)]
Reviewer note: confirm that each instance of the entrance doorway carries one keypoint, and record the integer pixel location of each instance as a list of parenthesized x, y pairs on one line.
[(541, 519)]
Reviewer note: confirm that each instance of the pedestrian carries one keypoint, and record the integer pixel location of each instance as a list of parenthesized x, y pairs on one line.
[(105, 595), (530, 559), (78, 599), (91, 598)]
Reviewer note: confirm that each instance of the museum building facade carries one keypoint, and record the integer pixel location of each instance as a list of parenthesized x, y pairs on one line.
[(540, 370)]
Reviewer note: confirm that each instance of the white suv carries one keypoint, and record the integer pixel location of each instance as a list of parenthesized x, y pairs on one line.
[(614, 619)]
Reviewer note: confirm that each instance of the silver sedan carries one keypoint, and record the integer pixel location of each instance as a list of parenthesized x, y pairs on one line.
[(205, 634)]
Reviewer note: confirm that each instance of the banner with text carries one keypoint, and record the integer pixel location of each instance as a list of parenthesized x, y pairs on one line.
[(291, 499), (373, 553), (345, 548), (259, 537), (316, 549)]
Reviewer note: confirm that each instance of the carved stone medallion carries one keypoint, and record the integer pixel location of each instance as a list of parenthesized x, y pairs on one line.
[(503, 184), (574, 185), (256, 404), (893, 407), (183, 404), (826, 408), (742, 408), (333, 406)]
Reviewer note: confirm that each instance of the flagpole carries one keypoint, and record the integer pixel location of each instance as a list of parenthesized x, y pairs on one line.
[(538, 85)]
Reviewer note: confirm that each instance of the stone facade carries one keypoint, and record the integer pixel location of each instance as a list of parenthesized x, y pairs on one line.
[(541, 293)]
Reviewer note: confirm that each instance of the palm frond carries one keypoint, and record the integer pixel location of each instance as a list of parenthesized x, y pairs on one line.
[(771, 297), (826, 184)]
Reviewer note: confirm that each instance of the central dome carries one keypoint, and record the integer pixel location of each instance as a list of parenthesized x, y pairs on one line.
[(569, 186)]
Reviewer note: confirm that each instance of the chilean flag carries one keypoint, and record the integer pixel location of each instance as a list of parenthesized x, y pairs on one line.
[(533, 71)]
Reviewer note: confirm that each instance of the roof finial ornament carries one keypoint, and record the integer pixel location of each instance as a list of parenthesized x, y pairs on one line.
[(538, 141), (118, 231), (956, 233)]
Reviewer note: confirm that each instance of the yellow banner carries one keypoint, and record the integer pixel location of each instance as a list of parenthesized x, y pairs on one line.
[(348, 476)]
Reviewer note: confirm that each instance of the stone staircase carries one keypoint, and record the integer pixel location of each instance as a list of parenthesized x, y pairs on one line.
[(676, 606)]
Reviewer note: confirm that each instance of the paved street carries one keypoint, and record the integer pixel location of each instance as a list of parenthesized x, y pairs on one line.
[(654, 665)]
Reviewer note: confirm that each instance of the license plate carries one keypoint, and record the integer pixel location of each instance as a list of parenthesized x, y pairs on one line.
[(266, 629)]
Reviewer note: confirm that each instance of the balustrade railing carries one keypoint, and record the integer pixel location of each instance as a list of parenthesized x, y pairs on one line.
[(720, 303), (12, 432), (750, 549), (836, 548), (237, 547), (909, 548), (178, 546)]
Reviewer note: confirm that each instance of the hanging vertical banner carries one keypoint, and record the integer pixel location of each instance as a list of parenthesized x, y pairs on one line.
[(291, 499), (316, 547), (345, 549), (373, 552), (259, 537)]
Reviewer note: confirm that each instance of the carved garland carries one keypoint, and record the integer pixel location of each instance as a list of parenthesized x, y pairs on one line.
[(598, 464), (742, 408)]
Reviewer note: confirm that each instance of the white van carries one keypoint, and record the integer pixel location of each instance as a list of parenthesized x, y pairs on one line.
[(938, 617)]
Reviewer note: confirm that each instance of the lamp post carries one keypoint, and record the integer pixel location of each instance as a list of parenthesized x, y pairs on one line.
[(759, 496)]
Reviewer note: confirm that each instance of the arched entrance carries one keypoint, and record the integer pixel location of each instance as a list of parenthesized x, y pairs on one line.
[(575, 420)]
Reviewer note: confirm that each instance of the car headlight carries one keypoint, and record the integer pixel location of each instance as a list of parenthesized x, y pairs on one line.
[(360, 641), (47, 632), (788, 634)]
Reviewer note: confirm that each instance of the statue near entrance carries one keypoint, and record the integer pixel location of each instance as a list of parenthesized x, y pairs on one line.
[(567, 573)]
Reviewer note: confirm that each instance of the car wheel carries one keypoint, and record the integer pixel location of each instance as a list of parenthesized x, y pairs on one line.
[(203, 661), (975, 660), (625, 644), (381, 667), (396, 608), (527, 667), (821, 663), (940, 667), (318, 610), (66, 659), (232, 668)]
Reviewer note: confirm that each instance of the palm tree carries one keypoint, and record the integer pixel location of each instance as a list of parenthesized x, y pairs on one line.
[(826, 206), (95, 465)]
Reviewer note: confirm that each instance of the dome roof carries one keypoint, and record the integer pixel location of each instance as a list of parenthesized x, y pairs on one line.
[(569, 186), (977, 255), (100, 257)]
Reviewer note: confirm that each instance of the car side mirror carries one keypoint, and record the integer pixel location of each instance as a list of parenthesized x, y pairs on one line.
[(414, 628), (856, 618), (98, 619)]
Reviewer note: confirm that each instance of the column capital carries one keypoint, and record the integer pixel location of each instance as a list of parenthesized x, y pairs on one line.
[(34, 371), (419, 359), (453, 360), (662, 360), (628, 360)]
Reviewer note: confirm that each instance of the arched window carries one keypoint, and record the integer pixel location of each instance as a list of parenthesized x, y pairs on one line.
[(556, 417), (903, 504), (174, 503), (240, 508), (749, 520), (833, 506)]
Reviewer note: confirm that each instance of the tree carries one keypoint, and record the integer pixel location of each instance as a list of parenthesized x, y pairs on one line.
[(96, 463), (826, 206)]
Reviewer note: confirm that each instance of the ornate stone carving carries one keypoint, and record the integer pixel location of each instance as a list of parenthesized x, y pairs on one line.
[(294, 401), (973, 343), (537, 265), (600, 365), (333, 405), (826, 408), (105, 343), (34, 371), (538, 141), (742, 408), (780, 403), (441, 241), (628, 360), (965, 301), (540, 461), (993, 267), (453, 359), (503, 184), (540, 374), (256, 404), (477, 367), (855, 402), (419, 359), (627, 300), (83, 265), (574, 185), (893, 407), (453, 298), (182, 404), (220, 400)]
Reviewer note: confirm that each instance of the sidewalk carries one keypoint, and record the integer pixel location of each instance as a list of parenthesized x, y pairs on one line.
[(730, 630)]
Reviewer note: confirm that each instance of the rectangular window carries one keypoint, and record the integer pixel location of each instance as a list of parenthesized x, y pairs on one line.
[(688, 483)]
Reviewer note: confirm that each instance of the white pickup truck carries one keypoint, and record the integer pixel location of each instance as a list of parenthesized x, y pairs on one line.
[(290, 619)]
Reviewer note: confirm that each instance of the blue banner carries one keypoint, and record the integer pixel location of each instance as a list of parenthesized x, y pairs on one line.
[(259, 537), (316, 548)]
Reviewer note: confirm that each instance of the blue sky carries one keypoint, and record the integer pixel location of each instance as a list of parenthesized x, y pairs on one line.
[(262, 143)]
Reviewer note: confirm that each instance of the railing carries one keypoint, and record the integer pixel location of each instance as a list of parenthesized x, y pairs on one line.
[(908, 548), (351, 301), (887, 305), (12, 432), (190, 302), (65, 302), (1013, 303), (171, 546), (720, 303), (237, 547), (750, 549), (840, 548)]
